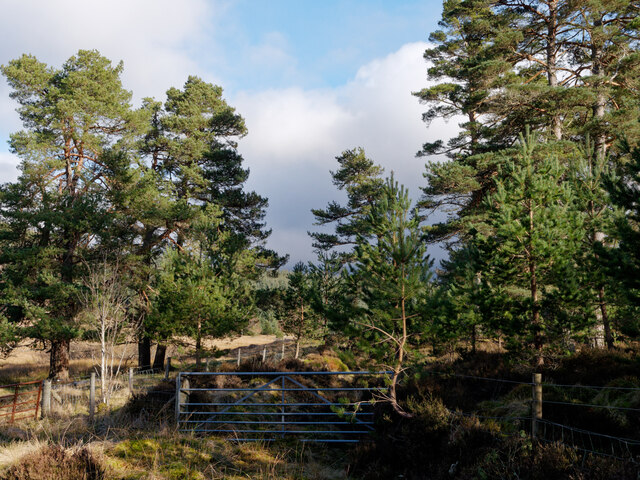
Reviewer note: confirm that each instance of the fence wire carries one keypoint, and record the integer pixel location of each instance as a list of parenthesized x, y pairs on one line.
[(591, 442), (74, 396)]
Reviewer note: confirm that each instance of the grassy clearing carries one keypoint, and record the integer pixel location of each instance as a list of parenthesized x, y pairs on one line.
[(174, 457), (166, 455)]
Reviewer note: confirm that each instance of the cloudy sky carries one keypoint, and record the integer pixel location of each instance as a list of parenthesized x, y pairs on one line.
[(312, 79)]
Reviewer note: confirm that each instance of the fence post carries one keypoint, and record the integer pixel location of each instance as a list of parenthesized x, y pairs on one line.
[(39, 399), (131, 381), (15, 401), (181, 396), (283, 404), (206, 367), (178, 400), (536, 407), (239, 355), (46, 397), (282, 350), (92, 396), (167, 367), (264, 354)]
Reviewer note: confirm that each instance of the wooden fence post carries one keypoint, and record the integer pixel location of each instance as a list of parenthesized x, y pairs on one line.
[(282, 358), (536, 407), (239, 355), (264, 354), (46, 397), (182, 397), (167, 367), (92, 396), (131, 381), (206, 367), (39, 399)]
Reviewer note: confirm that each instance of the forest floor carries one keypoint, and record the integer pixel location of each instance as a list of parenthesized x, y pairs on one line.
[(471, 421), (120, 444)]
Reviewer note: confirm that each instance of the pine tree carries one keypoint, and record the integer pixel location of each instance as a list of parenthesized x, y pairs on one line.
[(77, 121), (587, 174), (392, 271), (299, 319), (191, 162), (532, 252), (623, 260), (327, 290), (361, 179), (565, 69)]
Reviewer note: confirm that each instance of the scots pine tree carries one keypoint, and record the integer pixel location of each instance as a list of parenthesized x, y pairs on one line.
[(361, 179), (532, 251), (392, 271), (78, 123)]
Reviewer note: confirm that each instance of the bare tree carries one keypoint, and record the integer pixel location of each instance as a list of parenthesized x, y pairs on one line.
[(105, 300)]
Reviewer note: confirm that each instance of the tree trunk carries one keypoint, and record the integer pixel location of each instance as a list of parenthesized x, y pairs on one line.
[(608, 338), (144, 352), (59, 359), (158, 361), (393, 394), (103, 361), (552, 69), (599, 105), (198, 345), (473, 338), (533, 287)]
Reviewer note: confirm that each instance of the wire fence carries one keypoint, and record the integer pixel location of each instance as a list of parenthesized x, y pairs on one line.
[(585, 400), (75, 396)]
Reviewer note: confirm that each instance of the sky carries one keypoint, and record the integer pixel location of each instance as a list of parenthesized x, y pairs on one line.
[(312, 78)]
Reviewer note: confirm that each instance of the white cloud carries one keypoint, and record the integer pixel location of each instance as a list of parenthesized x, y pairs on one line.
[(158, 41), (294, 135), (150, 36), (8, 167), (375, 111)]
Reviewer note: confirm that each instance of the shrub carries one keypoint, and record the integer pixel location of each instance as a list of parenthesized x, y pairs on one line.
[(55, 463)]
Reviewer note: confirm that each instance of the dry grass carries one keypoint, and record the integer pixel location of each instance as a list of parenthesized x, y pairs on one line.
[(132, 446), (157, 452), (26, 363)]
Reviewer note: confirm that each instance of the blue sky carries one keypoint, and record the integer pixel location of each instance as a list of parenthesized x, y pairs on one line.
[(327, 41), (311, 78)]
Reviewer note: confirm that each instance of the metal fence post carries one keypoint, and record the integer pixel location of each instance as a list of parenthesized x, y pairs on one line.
[(92, 396), (282, 417), (167, 367), (536, 407), (46, 397), (131, 381)]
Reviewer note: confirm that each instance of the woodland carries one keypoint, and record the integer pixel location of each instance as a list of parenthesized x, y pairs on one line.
[(134, 223)]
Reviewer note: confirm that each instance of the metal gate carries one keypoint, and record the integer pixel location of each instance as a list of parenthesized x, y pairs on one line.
[(22, 398), (251, 406)]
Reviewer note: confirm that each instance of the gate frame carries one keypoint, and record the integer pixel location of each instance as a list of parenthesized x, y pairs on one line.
[(183, 389), (16, 395)]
